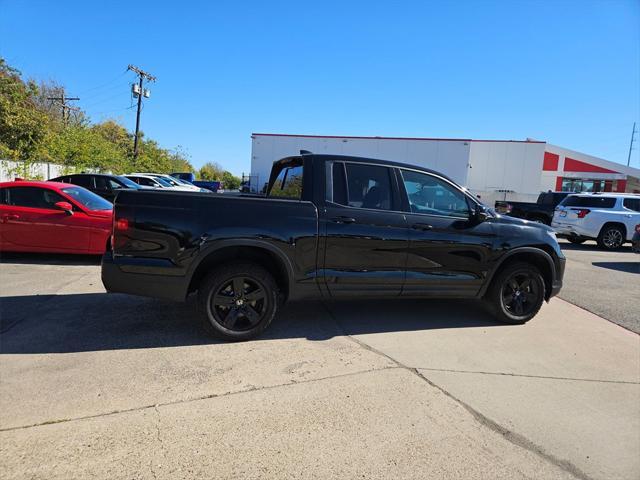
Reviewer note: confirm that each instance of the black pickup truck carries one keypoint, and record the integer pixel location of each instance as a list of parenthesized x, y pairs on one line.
[(329, 226), (541, 211)]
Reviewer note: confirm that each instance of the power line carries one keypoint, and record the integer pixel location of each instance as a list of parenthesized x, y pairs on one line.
[(62, 101), (141, 92)]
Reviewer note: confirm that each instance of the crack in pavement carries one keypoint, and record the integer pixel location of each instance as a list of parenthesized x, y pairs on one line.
[(507, 374), (512, 437), (194, 399)]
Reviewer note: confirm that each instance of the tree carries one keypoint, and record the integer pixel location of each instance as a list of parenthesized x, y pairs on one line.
[(22, 126), (230, 181), (210, 171)]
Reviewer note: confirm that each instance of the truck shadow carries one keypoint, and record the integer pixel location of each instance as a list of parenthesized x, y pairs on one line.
[(101, 321)]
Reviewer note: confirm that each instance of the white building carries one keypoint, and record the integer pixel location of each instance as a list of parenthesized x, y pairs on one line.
[(493, 169)]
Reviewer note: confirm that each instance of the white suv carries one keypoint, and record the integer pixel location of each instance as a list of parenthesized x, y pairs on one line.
[(609, 218)]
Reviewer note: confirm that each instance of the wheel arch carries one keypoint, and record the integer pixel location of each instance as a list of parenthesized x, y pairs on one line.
[(537, 256), (261, 253), (614, 223)]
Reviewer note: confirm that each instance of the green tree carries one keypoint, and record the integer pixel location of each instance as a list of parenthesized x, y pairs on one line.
[(231, 182), (210, 171), (22, 126)]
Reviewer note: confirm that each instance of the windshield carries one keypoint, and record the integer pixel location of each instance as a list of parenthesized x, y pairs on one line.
[(87, 199), (162, 182), (128, 183)]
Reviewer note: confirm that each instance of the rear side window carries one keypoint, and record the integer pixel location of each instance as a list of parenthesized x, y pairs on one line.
[(288, 183), (82, 180), (632, 204), (33, 197), (595, 201)]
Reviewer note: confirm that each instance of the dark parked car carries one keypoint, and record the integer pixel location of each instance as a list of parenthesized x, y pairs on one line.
[(635, 240), (330, 226), (541, 211), (107, 186)]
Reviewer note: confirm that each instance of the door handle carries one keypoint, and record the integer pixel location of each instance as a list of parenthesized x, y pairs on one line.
[(343, 220), (422, 226), (10, 216)]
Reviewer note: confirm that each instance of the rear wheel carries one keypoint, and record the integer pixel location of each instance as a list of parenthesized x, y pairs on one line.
[(516, 293), (611, 237), (238, 301)]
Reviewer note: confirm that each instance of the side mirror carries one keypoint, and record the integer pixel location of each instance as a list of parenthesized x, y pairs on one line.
[(479, 214), (65, 207)]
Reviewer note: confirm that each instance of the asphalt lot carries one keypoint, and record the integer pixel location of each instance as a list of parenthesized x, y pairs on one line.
[(605, 283), (94, 385)]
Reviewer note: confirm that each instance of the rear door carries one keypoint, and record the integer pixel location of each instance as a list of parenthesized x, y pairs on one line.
[(449, 252), (30, 221), (631, 214), (365, 233)]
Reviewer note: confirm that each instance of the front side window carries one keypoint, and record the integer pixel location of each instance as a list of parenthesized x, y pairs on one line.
[(32, 197), (288, 183), (105, 184), (431, 195)]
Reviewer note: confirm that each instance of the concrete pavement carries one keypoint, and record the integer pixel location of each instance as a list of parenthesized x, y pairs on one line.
[(605, 283), (110, 386)]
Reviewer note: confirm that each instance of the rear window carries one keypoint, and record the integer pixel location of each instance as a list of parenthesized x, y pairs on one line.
[(288, 183), (595, 201)]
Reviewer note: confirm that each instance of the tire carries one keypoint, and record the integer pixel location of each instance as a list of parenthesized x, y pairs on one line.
[(576, 240), (238, 315), (518, 283), (611, 237)]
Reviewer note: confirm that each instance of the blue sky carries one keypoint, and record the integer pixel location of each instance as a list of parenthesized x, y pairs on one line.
[(562, 71)]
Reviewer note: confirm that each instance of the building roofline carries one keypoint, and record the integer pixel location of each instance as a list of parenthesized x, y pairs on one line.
[(392, 138)]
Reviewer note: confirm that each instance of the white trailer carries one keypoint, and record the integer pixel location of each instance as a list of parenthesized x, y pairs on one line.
[(488, 168)]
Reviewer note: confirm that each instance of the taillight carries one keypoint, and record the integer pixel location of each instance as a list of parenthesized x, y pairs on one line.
[(122, 224), (582, 212), (638, 228)]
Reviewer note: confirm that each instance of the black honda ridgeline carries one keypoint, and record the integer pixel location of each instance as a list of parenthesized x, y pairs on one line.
[(330, 227)]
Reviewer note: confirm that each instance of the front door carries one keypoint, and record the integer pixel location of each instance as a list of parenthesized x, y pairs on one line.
[(448, 252), (365, 234), (31, 222)]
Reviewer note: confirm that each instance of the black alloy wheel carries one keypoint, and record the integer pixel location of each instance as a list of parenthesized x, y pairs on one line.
[(519, 294), (239, 304), (516, 293), (238, 301)]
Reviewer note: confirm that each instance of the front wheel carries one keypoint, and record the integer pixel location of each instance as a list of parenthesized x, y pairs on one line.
[(516, 293), (238, 301), (611, 237)]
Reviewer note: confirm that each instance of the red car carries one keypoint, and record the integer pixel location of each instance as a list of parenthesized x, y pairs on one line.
[(53, 217)]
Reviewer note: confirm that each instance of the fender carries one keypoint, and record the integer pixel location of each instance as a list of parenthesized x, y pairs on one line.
[(219, 244), (533, 250)]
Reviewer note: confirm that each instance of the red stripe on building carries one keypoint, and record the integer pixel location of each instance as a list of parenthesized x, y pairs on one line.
[(571, 165), (621, 185), (550, 161), (558, 184)]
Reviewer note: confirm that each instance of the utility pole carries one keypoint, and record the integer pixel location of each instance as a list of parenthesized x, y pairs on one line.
[(62, 100), (633, 134), (138, 90)]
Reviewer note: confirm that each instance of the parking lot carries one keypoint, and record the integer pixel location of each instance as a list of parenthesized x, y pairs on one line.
[(105, 385)]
